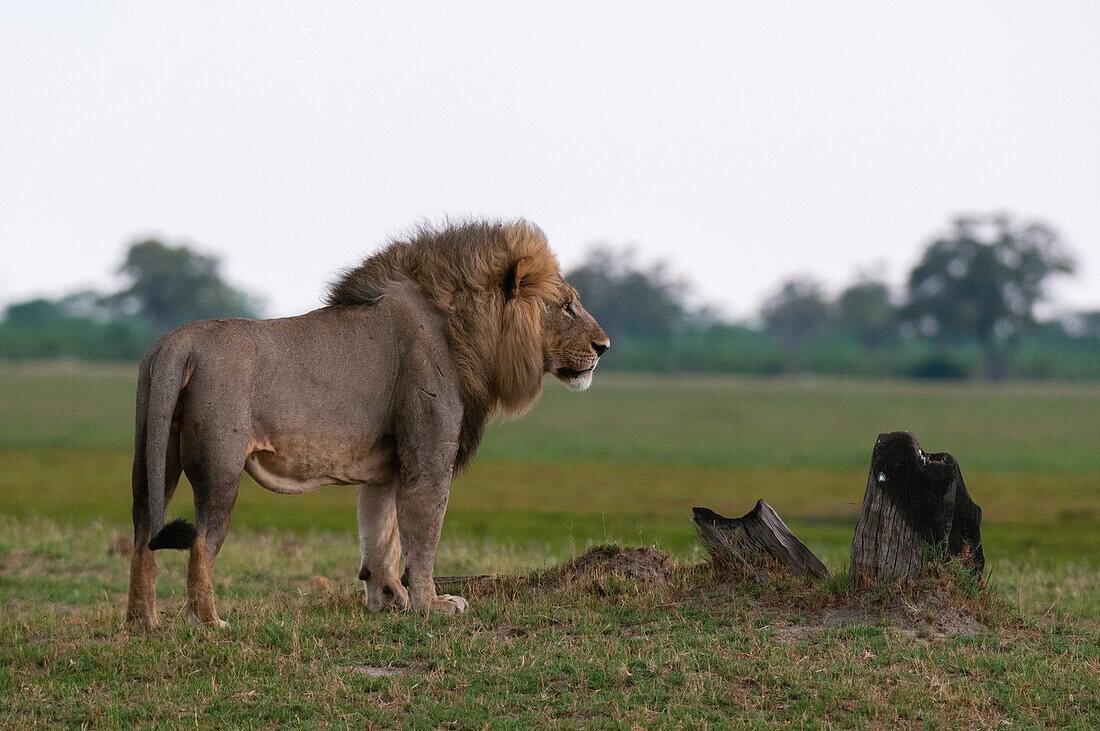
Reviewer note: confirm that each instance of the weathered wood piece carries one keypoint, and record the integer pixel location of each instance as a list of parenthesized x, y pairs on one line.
[(718, 545), (760, 531), (443, 580), (914, 501)]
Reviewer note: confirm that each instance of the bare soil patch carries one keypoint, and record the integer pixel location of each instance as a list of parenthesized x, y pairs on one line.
[(935, 615), (374, 671), (934, 612)]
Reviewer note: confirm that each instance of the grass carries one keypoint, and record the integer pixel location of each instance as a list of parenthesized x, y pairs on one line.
[(693, 422), (605, 653), (621, 463)]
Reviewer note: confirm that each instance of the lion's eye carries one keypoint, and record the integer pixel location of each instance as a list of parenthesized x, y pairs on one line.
[(567, 308)]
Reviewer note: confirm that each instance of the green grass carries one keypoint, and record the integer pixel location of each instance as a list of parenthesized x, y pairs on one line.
[(622, 463), (663, 421), (606, 652)]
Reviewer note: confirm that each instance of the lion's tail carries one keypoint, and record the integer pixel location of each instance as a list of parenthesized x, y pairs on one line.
[(161, 378)]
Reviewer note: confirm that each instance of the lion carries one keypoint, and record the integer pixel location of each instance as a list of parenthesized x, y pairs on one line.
[(387, 387)]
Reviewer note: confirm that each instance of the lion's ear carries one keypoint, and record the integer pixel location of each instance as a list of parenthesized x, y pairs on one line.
[(513, 280)]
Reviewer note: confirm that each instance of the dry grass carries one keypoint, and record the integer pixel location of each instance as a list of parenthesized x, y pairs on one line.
[(571, 643), (601, 649)]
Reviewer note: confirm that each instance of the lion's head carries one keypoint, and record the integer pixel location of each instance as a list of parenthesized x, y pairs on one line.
[(572, 341), (509, 315)]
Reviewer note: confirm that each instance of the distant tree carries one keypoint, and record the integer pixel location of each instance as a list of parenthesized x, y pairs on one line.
[(170, 286), (979, 282), (796, 315), (1090, 324), (628, 301), (34, 313), (75, 326), (85, 305), (865, 311)]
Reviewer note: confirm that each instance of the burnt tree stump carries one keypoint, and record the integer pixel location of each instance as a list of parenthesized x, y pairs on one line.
[(761, 531), (914, 501)]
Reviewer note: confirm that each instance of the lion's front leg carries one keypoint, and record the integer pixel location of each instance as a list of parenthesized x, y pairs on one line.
[(421, 504), (380, 543)]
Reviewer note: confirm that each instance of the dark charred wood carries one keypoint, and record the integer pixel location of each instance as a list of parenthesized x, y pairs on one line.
[(916, 505), (761, 532)]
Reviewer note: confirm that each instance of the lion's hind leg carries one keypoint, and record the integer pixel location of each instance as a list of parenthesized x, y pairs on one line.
[(200, 585), (141, 605), (213, 511), (380, 544), (215, 478)]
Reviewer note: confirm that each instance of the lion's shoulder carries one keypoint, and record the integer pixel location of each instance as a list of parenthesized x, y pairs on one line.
[(486, 282)]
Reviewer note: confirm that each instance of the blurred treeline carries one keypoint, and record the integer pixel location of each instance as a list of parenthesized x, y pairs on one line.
[(967, 311), (165, 287)]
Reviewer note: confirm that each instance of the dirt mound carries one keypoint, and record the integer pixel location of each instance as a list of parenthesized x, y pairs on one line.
[(321, 585), (647, 564), (935, 615), (935, 612)]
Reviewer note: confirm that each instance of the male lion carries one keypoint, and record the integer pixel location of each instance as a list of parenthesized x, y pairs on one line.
[(389, 388)]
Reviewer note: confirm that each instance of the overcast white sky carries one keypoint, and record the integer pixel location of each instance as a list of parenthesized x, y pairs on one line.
[(738, 142)]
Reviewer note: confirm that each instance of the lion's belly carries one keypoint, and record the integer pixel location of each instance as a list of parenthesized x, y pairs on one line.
[(292, 467)]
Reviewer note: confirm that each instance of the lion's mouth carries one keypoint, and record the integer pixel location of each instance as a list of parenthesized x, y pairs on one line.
[(570, 373)]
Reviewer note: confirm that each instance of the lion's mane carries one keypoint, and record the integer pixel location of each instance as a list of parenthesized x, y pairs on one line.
[(488, 280)]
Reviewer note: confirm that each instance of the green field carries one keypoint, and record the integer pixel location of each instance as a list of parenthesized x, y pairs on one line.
[(622, 463), (626, 460)]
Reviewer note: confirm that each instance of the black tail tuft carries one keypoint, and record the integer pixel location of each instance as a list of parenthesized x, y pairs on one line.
[(178, 534)]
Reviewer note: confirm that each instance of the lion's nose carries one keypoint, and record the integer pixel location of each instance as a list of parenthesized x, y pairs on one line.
[(601, 347)]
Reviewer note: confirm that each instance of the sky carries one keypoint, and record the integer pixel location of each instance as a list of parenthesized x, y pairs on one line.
[(739, 143)]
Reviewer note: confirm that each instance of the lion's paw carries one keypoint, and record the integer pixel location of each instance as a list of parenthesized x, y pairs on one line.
[(387, 595), (194, 621), (143, 623), (449, 604)]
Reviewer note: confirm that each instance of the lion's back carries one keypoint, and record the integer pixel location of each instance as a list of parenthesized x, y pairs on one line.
[(350, 363)]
